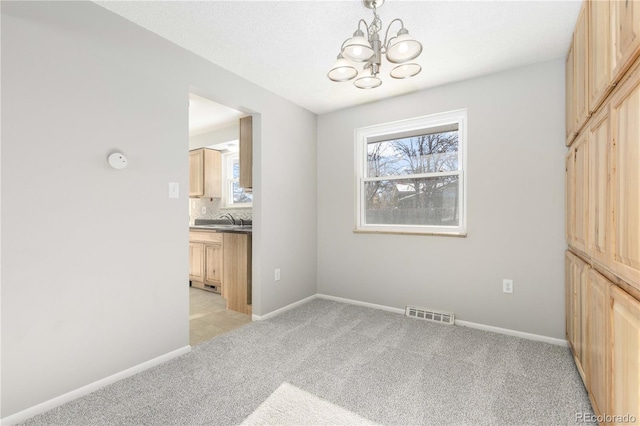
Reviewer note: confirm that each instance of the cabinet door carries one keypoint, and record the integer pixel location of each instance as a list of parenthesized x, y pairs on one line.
[(625, 358), (246, 152), (599, 146), (570, 102), (600, 52), (196, 173), (581, 188), (580, 69), (626, 32), (196, 262), (596, 353), (577, 183), (624, 238), (213, 264), (570, 199), (577, 272)]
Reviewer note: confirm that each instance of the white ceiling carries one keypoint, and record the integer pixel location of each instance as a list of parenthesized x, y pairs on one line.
[(206, 115), (287, 47)]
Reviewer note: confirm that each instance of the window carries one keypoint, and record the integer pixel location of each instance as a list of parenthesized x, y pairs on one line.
[(233, 195), (410, 175)]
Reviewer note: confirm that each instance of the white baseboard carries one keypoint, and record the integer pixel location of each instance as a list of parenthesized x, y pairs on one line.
[(359, 303), (283, 309), (91, 387), (508, 332), (516, 333)]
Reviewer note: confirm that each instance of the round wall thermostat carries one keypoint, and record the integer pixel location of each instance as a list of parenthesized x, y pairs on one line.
[(117, 160)]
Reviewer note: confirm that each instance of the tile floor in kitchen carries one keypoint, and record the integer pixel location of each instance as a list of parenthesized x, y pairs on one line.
[(208, 316)]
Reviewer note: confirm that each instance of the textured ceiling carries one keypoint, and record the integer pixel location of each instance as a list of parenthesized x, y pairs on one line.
[(287, 47)]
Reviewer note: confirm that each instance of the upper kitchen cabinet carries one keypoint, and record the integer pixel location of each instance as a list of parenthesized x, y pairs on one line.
[(601, 62), (205, 178), (625, 21), (624, 240), (569, 87), (246, 153), (577, 110)]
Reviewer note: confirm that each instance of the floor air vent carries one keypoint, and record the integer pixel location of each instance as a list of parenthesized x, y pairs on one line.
[(430, 315)]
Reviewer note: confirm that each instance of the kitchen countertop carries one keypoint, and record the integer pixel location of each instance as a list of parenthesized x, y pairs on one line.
[(233, 229)]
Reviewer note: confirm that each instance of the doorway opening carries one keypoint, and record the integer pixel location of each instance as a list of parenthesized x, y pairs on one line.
[(220, 220)]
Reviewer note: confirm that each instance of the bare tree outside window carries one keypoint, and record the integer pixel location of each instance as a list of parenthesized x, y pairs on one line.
[(418, 190)]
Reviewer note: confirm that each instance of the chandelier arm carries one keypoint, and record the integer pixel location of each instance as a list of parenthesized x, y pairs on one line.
[(386, 35), (365, 25)]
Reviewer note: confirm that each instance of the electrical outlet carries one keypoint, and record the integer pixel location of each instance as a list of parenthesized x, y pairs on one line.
[(507, 286), (204, 210), (277, 274)]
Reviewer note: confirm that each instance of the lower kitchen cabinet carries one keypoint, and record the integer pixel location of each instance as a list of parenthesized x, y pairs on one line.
[(237, 272), (205, 260), (213, 264), (624, 362), (196, 261), (603, 329), (596, 353), (576, 297)]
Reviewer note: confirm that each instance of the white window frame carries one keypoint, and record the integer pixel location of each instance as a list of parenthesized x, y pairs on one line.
[(227, 182), (363, 135)]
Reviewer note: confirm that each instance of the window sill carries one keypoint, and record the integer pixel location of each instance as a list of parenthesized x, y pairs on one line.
[(437, 234)]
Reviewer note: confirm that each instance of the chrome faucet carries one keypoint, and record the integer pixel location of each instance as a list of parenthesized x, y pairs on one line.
[(230, 217)]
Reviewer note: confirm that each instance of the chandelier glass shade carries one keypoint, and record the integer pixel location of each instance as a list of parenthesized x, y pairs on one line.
[(368, 49)]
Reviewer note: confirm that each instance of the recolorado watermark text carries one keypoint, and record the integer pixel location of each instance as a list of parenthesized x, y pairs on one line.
[(606, 418)]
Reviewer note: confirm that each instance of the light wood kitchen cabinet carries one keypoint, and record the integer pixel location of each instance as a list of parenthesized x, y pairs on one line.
[(213, 264), (625, 21), (569, 87), (624, 239), (205, 173), (237, 272), (196, 261), (576, 75), (577, 193), (600, 53), (625, 347), (603, 191), (581, 69), (598, 193), (577, 275), (205, 253), (596, 353), (246, 153)]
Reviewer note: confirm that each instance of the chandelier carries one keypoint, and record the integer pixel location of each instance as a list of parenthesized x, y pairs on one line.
[(399, 50)]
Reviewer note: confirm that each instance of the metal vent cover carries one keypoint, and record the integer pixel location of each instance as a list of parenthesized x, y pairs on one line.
[(430, 315)]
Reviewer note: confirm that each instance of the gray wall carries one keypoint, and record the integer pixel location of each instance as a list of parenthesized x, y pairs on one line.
[(93, 284), (515, 207), (224, 134)]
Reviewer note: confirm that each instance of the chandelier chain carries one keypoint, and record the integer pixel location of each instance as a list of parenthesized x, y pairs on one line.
[(376, 24)]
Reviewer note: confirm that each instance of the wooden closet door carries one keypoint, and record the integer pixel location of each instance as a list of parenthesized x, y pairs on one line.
[(624, 241), (626, 33), (625, 347), (599, 217)]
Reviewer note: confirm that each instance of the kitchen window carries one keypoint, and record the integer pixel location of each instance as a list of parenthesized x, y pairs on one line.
[(234, 196), (411, 176)]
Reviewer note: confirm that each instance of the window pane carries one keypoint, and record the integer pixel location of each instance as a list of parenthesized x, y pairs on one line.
[(426, 201), (428, 153), (239, 196), (235, 168)]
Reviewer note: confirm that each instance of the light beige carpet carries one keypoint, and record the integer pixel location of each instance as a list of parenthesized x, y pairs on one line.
[(289, 405)]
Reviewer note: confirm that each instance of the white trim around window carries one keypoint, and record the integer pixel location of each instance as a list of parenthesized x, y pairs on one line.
[(228, 182), (392, 198)]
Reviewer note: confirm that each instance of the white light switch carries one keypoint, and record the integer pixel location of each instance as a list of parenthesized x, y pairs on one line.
[(174, 190)]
